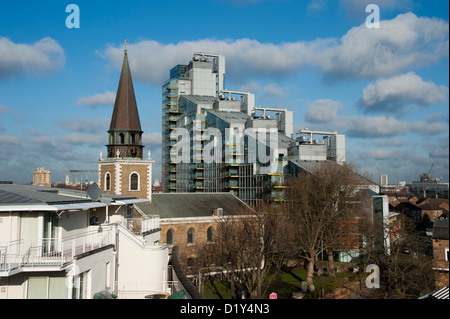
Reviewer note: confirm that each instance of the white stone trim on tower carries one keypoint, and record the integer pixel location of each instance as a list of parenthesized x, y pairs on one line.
[(149, 181), (118, 181)]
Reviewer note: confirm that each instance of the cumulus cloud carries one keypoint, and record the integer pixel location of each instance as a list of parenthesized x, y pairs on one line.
[(377, 126), (151, 139), (402, 42), (426, 128), (9, 140), (358, 126), (99, 99), (272, 91), (77, 139), (40, 58), (322, 110), (392, 142), (393, 94), (85, 125)]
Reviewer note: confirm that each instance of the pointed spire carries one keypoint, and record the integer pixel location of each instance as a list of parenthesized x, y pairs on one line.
[(125, 115)]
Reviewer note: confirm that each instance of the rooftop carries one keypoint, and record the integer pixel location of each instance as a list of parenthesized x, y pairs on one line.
[(180, 205), (19, 195)]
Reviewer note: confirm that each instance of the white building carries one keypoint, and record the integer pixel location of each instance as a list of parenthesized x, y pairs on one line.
[(61, 244)]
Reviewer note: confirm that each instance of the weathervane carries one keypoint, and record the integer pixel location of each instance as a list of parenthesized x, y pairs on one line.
[(126, 41)]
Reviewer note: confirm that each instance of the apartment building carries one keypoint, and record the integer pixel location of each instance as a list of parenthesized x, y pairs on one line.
[(42, 177), (67, 244), (218, 140)]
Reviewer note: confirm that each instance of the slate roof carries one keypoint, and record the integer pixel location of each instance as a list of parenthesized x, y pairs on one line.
[(16, 194), (27, 194), (440, 229), (125, 114), (179, 205), (308, 167)]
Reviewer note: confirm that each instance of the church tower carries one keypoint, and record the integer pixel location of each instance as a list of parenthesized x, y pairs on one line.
[(125, 171)]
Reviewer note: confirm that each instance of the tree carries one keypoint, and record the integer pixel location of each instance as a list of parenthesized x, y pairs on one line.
[(246, 248), (406, 269), (321, 206)]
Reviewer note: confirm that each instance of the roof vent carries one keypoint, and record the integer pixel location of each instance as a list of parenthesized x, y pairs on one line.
[(218, 212)]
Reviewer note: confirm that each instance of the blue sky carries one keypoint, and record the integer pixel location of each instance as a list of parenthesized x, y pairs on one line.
[(385, 88)]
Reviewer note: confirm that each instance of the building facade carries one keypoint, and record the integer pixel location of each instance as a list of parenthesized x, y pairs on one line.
[(42, 177), (62, 244)]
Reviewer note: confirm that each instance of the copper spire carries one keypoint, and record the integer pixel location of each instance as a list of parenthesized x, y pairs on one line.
[(125, 115)]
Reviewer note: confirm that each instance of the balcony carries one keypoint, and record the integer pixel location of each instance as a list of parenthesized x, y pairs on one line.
[(140, 226), (143, 290), (51, 252)]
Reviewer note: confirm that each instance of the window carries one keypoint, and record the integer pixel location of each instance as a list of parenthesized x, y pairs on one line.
[(122, 138), (107, 182), (191, 236), (170, 237), (210, 235), (446, 254), (134, 182), (80, 286), (47, 288)]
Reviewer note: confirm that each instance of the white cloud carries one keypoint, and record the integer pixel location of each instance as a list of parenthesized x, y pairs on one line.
[(391, 142), (377, 126), (9, 140), (322, 110), (85, 125), (273, 91), (106, 98), (400, 43), (74, 139), (151, 140), (37, 59), (426, 128), (358, 126), (393, 94)]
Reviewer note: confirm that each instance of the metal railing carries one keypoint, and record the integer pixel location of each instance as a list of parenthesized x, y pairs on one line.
[(139, 290), (52, 251), (140, 226)]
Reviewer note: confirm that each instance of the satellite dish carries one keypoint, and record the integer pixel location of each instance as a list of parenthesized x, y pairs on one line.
[(94, 192)]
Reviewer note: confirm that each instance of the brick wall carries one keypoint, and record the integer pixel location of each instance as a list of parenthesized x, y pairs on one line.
[(181, 237), (439, 256)]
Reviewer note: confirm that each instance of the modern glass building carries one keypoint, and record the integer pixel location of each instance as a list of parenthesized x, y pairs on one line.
[(218, 140)]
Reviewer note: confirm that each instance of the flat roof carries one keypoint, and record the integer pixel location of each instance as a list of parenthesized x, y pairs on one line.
[(16, 197)]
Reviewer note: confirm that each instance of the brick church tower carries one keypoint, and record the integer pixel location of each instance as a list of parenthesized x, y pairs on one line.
[(125, 171)]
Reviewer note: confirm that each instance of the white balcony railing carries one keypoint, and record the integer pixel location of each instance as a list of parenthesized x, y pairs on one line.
[(51, 251), (139, 290), (140, 226)]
